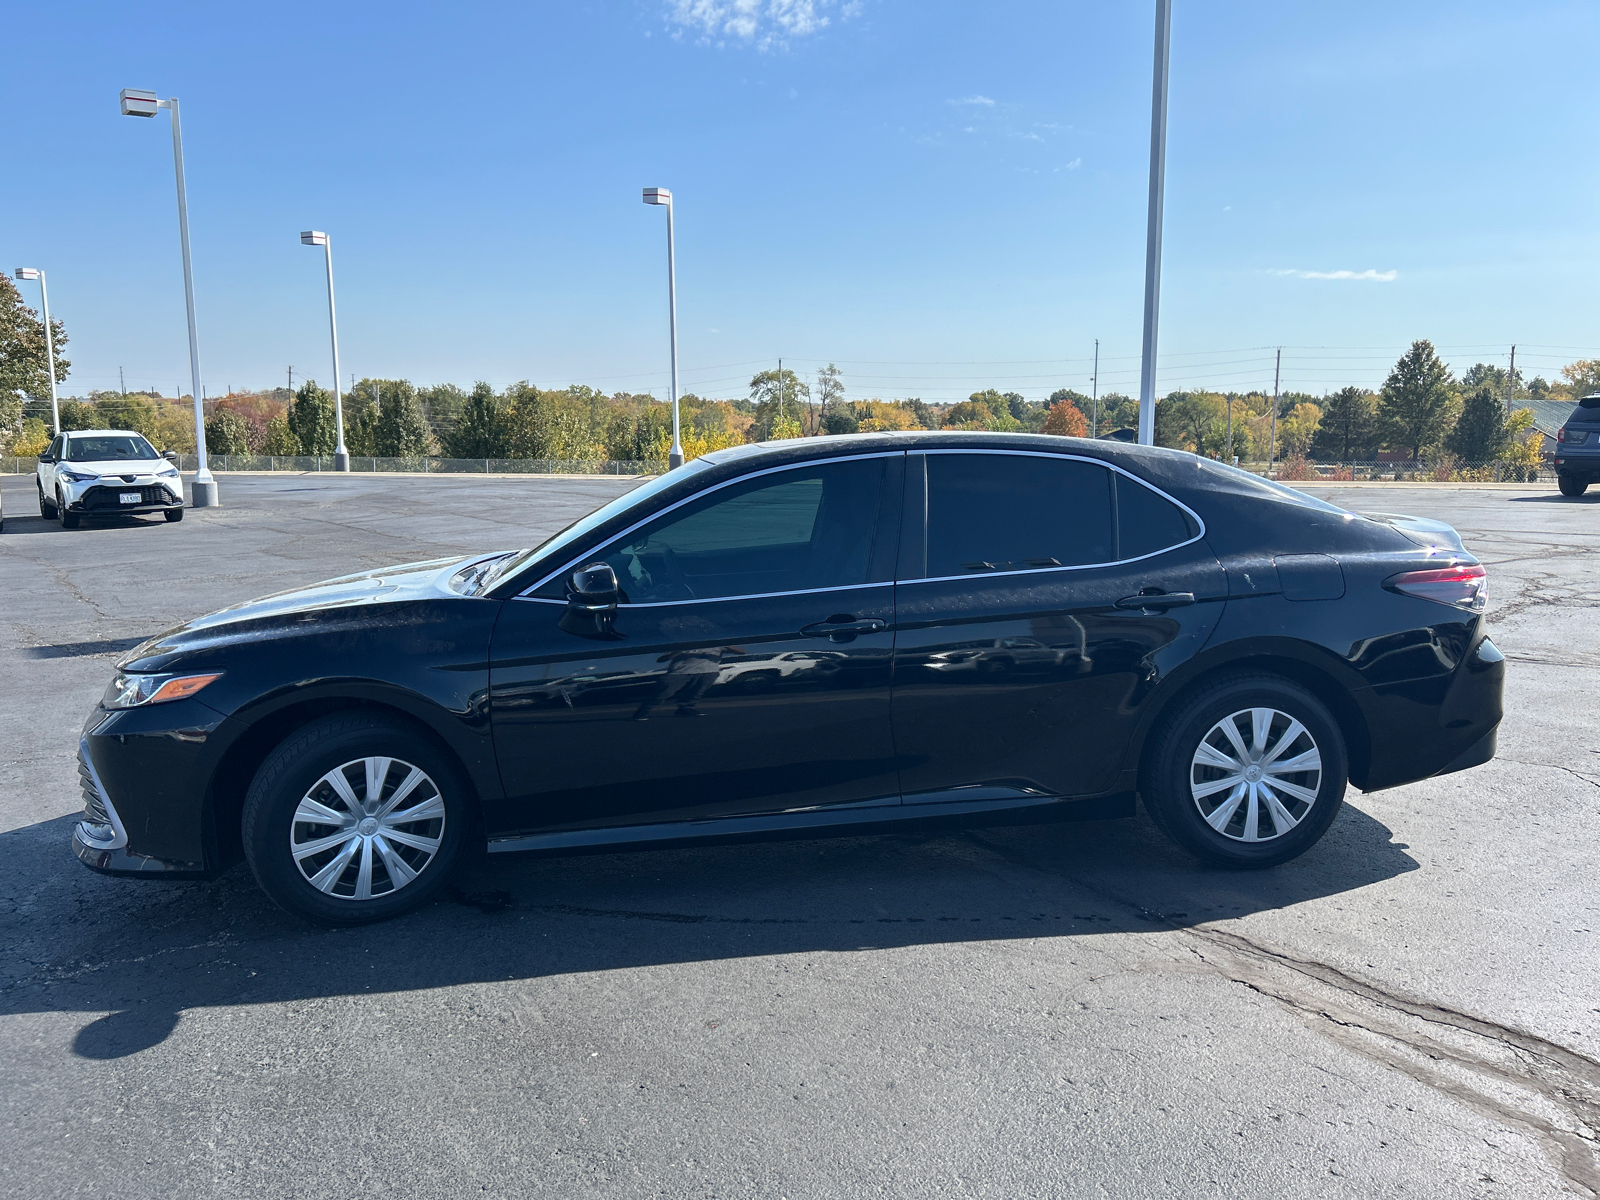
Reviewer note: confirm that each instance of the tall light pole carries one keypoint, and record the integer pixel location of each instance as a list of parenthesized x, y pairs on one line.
[(137, 103), (50, 341), (1094, 393), (1152, 246), (315, 237), (664, 197)]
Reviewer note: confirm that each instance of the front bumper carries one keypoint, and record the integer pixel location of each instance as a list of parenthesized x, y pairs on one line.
[(103, 497)]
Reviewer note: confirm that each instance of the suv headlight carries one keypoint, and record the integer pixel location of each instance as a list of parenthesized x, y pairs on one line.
[(131, 691), (76, 476)]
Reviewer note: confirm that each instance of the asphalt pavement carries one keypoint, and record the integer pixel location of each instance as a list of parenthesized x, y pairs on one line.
[(1410, 1009)]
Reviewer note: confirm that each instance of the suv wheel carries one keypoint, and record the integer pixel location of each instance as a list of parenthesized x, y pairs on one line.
[(354, 818), (46, 509), (69, 520), (1249, 772), (1570, 484)]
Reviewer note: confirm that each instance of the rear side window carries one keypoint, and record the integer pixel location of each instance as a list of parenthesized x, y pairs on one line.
[(1147, 521), (1016, 512)]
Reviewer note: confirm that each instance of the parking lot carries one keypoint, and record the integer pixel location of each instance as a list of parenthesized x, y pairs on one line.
[(1064, 1010)]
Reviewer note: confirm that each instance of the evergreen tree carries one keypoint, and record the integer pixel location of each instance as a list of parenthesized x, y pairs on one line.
[(480, 427), (1418, 402), (1349, 429), (1480, 433), (400, 430), (311, 420), (227, 433)]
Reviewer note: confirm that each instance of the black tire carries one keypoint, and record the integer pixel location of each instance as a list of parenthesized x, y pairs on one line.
[(46, 509), (69, 520), (299, 766), (1571, 485), (1168, 774), (174, 514)]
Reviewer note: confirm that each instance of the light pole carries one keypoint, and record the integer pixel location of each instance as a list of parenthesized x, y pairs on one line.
[(137, 103), (664, 197), (315, 237), (49, 340), (1152, 248)]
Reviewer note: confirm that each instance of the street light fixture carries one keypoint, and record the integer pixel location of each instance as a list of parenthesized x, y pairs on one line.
[(663, 197), (49, 340), (1152, 246), (315, 237), (137, 103)]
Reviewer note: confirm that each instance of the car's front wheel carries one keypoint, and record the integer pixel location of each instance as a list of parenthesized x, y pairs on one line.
[(46, 509), (354, 818), (1248, 772), (174, 514), (1570, 484), (69, 520)]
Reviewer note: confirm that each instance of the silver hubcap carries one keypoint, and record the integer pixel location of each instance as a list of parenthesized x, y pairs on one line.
[(1255, 775), (367, 828)]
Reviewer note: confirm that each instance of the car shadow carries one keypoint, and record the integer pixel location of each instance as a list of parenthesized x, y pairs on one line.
[(32, 522), (1557, 498), (138, 954)]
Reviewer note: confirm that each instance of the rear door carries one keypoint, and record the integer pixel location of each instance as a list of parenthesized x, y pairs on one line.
[(47, 470), (1024, 653)]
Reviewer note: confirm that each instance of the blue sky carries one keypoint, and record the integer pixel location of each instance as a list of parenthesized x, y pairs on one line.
[(937, 196)]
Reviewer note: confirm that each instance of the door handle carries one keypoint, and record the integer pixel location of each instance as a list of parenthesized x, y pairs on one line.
[(1156, 600), (840, 628)]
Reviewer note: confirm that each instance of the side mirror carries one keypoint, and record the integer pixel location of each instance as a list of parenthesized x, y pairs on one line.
[(45, 457), (592, 596), (170, 455)]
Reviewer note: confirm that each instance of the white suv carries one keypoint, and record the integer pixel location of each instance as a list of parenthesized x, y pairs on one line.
[(106, 472)]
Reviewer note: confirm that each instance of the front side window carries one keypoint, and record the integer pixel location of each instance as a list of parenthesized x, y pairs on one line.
[(110, 447), (789, 531), (1016, 512)]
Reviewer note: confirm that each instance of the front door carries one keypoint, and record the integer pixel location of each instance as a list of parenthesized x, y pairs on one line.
[(1021, 662), (750, 671)]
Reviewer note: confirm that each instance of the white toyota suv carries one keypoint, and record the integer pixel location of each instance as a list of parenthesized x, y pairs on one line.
[(103, 473)]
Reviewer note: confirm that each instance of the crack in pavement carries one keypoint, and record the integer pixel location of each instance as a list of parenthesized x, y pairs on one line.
[(1552, 766), (1525, 1082)]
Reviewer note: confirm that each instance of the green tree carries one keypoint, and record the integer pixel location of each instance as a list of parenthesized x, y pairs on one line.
[(280, 439), (1194, 421), (227, 433), (400, 431), (830, 392), (1349, 428), (23, 370), (778, 394), (1583, 377), (480, 426), (921, 414), (971, 414), (841, 418), (1418, 403), (1118, 412), (1480, 433), (442, 405), (311, 420)]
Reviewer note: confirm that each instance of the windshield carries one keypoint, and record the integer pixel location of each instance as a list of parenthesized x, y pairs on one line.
[(553, 545), (1261, 483), (110, 447)]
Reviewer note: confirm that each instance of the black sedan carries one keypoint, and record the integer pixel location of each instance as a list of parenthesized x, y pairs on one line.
[(815, 636)]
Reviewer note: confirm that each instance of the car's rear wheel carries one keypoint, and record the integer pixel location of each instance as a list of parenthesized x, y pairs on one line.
[(355, 818), (69, 520), (174, 514), (1249, 771), (1570, 484)]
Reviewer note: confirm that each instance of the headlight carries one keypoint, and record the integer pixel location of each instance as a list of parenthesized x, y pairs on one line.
[(76, 476), (131, 691), (169, 473)]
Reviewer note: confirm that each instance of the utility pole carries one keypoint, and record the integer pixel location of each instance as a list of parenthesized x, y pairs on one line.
[(291, 380), (1511, 378), (1094, 393), (1152, 250), (122, 382), (1230, 428), (1272, 439), (780, 389)]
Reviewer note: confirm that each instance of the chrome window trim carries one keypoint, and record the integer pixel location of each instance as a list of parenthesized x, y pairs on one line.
[(849, 587), (1099, 462), (810, 462)]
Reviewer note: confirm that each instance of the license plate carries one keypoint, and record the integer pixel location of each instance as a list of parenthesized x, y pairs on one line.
[(129, 497)]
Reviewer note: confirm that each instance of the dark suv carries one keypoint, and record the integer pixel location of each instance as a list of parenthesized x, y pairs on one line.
[(1578, 448)]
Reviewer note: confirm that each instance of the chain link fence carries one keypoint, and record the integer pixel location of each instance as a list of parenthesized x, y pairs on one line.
[(1292, 471)]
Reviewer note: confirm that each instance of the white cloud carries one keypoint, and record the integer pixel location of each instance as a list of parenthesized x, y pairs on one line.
[(1075, 164), (982, 101), (1368, 275), (765, 23)]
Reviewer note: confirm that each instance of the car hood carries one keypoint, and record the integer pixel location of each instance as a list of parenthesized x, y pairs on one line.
[(360, 597), (114, 467), (1424, 531)]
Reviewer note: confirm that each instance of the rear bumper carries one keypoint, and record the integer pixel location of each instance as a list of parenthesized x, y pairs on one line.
[(1438, 725)]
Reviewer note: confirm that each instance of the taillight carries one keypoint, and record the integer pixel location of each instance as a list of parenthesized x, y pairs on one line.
[(1572, 436), (1461, 586)]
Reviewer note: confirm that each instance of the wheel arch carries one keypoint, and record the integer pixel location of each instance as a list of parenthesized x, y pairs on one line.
[(1312, 667), (224, 808)]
